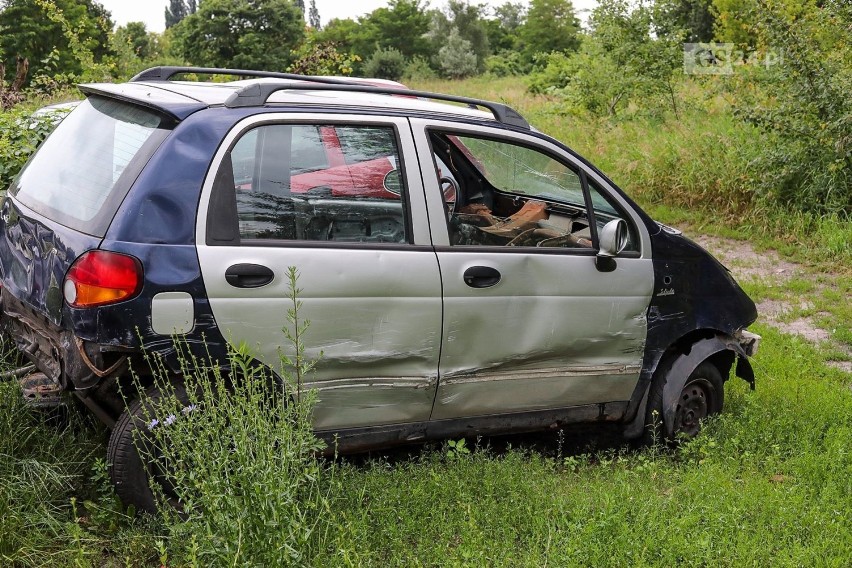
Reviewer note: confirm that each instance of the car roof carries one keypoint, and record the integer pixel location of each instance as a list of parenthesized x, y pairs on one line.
[(155, 88)]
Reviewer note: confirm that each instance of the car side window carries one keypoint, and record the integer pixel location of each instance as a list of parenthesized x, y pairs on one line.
[(506, 194), (296, 182)]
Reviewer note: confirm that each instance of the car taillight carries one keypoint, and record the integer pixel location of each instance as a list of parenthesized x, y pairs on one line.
[(100, 277)]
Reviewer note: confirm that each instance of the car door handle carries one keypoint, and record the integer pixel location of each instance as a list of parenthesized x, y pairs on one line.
[(481, 276), (248, 275)]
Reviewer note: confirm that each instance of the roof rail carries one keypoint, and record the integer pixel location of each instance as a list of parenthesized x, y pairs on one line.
[(259, 93)]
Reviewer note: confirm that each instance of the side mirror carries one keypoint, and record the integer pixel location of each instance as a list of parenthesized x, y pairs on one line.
[(613, 240)]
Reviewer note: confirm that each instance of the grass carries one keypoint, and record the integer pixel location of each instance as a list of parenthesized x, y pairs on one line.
[(766, 483)]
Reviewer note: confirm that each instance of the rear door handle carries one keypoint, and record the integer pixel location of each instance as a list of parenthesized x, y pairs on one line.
[(481, 276), (248, 275)]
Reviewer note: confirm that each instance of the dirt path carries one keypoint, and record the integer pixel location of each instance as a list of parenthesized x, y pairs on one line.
[(769, 268)]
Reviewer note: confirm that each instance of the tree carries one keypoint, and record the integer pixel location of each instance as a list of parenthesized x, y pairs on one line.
[(250, 34), (136, 35), (321, 58), (456, 57), (386, 64), (735, 22), (551, 25), (314, 16), (504, 26), (693, 17), (402, 25), (27, 30), (619, 62), (801, 98), (176, 11), (467, 20)]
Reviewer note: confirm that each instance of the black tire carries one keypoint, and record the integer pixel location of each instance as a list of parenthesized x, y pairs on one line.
[(703, 395), (129, 473)]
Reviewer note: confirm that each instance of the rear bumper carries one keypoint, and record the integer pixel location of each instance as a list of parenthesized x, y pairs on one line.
[(65, 359)]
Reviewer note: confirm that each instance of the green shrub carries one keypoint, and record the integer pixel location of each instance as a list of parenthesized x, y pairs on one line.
[(457, 58), (387, 63), (418, 69), (800, 93), (505, 64)]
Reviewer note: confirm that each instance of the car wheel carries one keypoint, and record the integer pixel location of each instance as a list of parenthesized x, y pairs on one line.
[(701, 396), (130, 473)]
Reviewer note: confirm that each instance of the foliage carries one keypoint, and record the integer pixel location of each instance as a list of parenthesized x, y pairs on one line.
[(693, 17), (135, 35), (620, 63), (456, 57), (386, 64), (551, 25), (314, 16), (243, 34), (504, 64), (418, 69), (503, 27), (240, 455), (735, 22), (20, 134), (402, 25), (60, 38), (348, 36), (467, 20), (322, 58), (801, 95), (177, 10)]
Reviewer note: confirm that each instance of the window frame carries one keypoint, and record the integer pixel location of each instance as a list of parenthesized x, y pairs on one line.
[(508, 137), (219, 214)]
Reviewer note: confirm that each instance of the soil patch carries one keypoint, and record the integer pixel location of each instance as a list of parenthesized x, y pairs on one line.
[(747, 264)]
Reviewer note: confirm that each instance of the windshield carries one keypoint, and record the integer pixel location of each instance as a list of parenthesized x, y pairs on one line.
[(83, 170)]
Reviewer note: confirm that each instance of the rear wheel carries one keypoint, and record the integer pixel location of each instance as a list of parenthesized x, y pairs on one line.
[(703, 395), (132, 473)]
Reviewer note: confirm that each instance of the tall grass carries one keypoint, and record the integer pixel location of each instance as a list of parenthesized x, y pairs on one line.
[(239, 457)]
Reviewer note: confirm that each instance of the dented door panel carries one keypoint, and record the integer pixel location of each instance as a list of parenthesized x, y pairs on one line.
[(554, 332)]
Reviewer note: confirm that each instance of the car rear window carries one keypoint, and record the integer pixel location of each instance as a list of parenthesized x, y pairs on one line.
[(81, 173)]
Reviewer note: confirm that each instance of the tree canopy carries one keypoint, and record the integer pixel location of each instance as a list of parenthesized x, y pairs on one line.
[(28, 30), (245, 34)]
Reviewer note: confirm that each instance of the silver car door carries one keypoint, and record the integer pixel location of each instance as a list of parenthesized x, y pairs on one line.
[(530, 323), (358, 236)]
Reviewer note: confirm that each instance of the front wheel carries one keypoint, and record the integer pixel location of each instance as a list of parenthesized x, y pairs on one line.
[(702, 396)]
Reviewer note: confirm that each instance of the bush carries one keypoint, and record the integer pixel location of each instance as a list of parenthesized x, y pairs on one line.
[(321, 58), (456, 57), (505, 64), (801, 96), (418, 69), (241, 458), (386, 64)]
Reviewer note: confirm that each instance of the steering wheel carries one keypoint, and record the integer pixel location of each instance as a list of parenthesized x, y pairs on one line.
[(450, 189)]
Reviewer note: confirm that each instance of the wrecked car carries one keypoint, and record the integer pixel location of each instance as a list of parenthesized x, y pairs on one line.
[(464, 273)]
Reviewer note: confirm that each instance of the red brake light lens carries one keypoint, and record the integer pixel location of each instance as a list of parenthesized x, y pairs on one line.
[(98, 278)]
